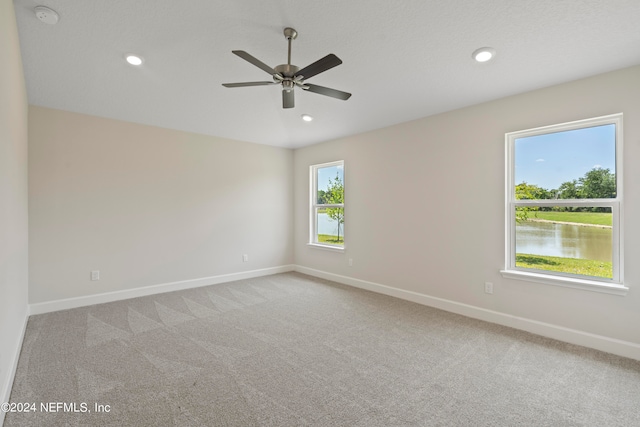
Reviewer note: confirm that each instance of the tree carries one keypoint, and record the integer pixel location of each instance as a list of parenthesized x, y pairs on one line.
[(526, 191), (322, 197), (598, 183), (569, 190), (335, 195)]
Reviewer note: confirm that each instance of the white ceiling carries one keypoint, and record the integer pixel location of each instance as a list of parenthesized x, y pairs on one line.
[(402, 59)]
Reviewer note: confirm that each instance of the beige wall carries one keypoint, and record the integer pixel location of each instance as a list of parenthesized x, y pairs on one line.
[(425, 205), (13, 197), (148, 206)]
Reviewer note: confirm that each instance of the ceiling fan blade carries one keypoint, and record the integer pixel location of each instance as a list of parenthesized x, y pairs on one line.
[(249, 84), (287, 99), (255, 61), (327, 91), (319, 66)]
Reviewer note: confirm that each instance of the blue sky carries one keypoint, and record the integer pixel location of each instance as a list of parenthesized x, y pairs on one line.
[(324, 174), (551, 159)]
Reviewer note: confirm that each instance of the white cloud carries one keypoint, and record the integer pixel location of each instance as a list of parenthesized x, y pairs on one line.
[(540, 160)]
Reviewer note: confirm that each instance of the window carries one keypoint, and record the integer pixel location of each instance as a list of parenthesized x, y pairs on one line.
[(564, 197), (327, 205)]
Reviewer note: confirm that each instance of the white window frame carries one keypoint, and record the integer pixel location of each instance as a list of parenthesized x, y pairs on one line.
[(314, 206), (612, 286)]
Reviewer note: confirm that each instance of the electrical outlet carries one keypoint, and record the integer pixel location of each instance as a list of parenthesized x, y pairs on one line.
[(488, 287), (245, 258), (350, 262), (95, 275)]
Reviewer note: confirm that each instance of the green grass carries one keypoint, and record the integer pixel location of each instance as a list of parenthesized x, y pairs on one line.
[(331, 239), (583, 267), (596, 218)]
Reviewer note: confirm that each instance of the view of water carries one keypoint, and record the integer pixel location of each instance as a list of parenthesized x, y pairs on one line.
[(328, 226), (562, 240), (538, 238)]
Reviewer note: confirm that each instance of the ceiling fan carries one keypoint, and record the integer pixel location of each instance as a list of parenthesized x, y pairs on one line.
[(290, 76)]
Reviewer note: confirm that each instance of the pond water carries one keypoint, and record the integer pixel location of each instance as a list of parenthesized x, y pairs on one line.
[(563, 240), (538, 238), (328, 226)]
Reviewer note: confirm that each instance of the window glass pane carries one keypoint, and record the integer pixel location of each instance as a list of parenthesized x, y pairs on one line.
[(574, 164), (330, 223), (572, 240), (330, 185)]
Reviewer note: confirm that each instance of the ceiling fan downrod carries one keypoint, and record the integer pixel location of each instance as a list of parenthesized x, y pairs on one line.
[(288, 70), (290, 34)]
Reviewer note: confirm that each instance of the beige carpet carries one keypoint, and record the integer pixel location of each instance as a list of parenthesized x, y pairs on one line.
[(292, 350)]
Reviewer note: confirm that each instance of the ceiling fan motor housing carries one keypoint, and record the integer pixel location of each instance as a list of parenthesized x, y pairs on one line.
[(287, 70)]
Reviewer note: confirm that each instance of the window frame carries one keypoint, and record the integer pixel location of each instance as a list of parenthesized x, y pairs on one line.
[(615, 285), (314, 206)]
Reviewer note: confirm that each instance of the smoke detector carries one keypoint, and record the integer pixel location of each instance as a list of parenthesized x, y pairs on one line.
[(46, 15)]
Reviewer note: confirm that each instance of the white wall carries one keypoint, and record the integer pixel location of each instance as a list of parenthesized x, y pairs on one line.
[(148, 206), (13, 199), (424, 206)]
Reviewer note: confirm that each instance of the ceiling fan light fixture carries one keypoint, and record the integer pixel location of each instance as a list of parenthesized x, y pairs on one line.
[(287, 85), (484, 54), (307, 118), (134, 59)]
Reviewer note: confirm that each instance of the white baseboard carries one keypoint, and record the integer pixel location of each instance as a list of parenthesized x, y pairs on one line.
[(65, 304), (573, 336), (6, 388)]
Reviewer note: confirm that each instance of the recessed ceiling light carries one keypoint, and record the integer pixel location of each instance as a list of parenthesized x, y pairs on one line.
[(134, 59), (306, 117), (484, 54)]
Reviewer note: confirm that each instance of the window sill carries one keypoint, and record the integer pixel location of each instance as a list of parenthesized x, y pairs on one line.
[(326, 247), (567, 282)]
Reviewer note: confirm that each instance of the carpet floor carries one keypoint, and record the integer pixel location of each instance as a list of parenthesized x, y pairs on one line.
[(293, 350)]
